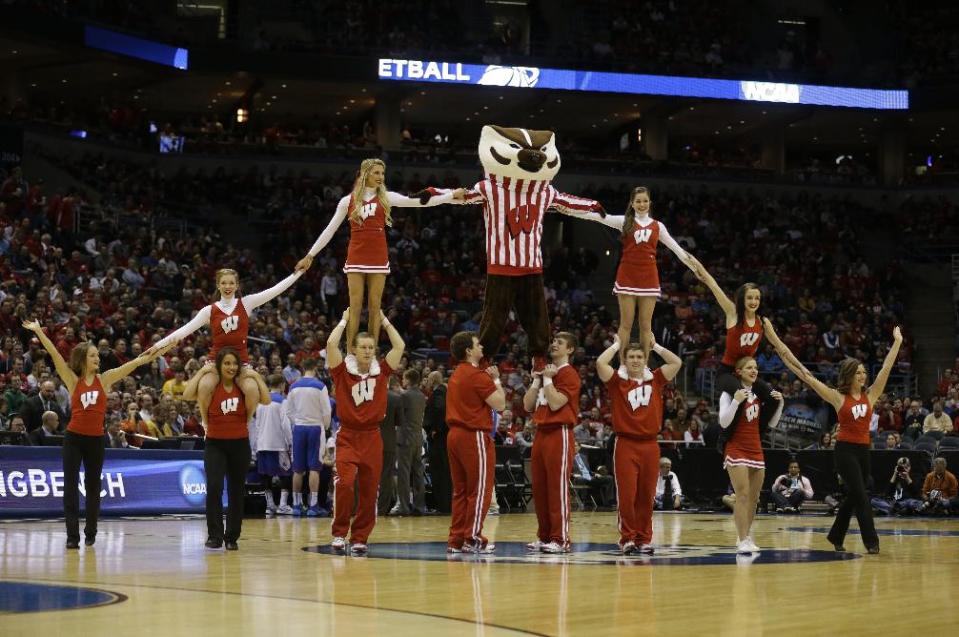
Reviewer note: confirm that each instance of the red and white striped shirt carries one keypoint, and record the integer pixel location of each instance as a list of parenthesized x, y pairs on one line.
[(513, 210)]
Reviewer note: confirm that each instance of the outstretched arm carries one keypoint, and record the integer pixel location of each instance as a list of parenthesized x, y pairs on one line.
[(397, 346), (879, 385), (604, 370), (202, 318), (63, 370), (426, 198), (571, 204), (255, 300), (825, 392), (334, 356), (111, 376), (728, 307), (668, 241), (325, 236), (672, 362)]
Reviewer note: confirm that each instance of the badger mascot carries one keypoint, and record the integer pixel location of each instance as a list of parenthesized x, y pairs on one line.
[(515, 194)]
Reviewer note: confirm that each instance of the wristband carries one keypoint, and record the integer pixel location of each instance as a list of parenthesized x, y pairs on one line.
[(547, 381), (497, 382)]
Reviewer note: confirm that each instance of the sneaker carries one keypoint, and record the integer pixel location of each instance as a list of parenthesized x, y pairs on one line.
[(89, 540), (536, 545), (317, 512), (213, 544), (297, 511), (751, 545), (873, 550), (284, 509), (554, 548), (359, 549), (629, 548), (485, 549), (338, 544), (647, 549), (73, 544), (493, 512), (231, 545), (779, 509), (455, 549), (789, 510), (743, 547), (270, 512)]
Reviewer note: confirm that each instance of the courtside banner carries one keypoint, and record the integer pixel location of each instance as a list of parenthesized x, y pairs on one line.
[(132, 482), (634, 83)]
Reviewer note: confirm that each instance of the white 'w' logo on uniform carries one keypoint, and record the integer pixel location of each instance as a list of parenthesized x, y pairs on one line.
[(229, 405), (363, 391), (642, 235), (752, 412), (368, 210), (748, 339), (88, 398), (639, 397), (858, 411), (230, 323)]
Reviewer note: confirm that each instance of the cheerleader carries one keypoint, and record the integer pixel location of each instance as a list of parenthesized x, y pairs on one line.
[(744, 331), (84, 439), (229, 321), (744, 461), (368, 207), (636, 395), (226, 452), (637, 277), (853, 403)]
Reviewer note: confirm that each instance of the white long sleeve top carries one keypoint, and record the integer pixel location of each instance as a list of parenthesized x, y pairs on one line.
[(728, 406)]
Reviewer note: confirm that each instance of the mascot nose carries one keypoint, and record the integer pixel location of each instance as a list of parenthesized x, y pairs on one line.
[(530, 159)]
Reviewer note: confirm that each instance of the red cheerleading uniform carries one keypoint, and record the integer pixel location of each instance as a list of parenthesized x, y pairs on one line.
[(361, 406), (471, 453), (88, 408), (744, 447), (552, 457), (367, 252), (230, 330), (226, 417), (742, 340), (637, 406), (637, 274), (854, 418)]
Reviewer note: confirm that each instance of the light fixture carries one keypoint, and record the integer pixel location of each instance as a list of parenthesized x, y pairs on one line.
[(242, 115)]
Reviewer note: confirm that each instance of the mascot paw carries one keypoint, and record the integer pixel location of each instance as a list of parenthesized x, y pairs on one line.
[(599, 208), (424, 196)]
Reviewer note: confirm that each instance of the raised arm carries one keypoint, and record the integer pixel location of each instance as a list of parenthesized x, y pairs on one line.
[(327, 234), (668, 241), (397, 346), (63, 370), (825, 392), (531, 395), (263, 389), (255, 300), (879, 385), (672, 363), (555, 399), (111, 376), (334, 356), (728, 307), (779, 398), (202, 318), (496, 400), (604, 370)]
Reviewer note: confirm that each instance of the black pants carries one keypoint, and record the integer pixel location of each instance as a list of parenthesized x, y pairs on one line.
[(727, 381), (440, 479), (525, 295), (852, 465), (230, 459), (87, 450)]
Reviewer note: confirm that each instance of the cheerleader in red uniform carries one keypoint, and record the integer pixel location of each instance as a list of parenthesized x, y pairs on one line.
[(83, 442), (744, 461), (744, 331), (853, 403), (226, 453), (637, 278), (229, 321), (367, 260)]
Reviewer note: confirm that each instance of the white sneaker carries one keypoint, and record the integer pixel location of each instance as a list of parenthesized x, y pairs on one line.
[(493, 512), (554, 548), (271, 512), (284, 509), (536, 545), (647, 549), (487, 548), (359, 550), (338, 544), (752, 545), (629, 548), (744, 548)]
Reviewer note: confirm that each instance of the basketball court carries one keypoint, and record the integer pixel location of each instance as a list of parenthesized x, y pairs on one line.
[(154, 577)]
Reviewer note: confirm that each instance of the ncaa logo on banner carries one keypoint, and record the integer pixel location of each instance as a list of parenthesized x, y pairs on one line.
[(193, 484)]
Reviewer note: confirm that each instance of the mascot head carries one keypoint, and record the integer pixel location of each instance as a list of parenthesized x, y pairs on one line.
[(519, 153)]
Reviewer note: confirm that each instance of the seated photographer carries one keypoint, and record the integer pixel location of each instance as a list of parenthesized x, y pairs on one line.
[(940, 489), (599, 481), (901, 492), (669, 495), (791, 489)]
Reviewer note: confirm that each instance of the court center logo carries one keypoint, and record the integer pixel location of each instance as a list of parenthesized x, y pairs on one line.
[(193, 484)]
